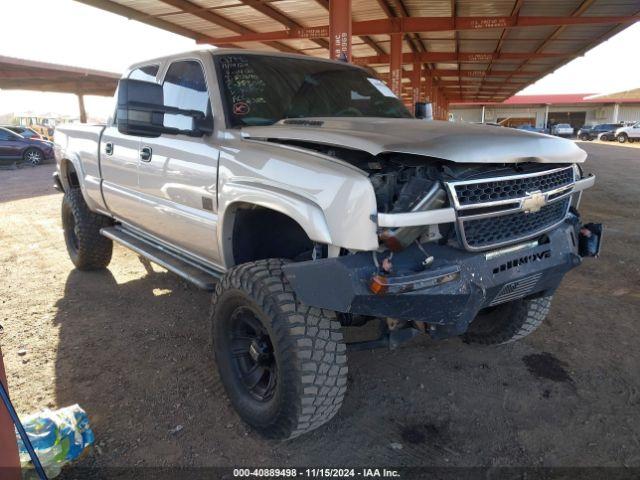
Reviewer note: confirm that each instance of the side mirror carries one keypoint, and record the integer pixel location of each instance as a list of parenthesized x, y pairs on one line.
[(141, 111), (424, 110)]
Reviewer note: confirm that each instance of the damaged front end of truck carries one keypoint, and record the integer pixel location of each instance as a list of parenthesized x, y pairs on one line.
[(456, 240)]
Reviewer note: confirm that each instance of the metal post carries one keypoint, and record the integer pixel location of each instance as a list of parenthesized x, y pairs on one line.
[(395, 72), (428, 87), (416, 78), (482, 116), (616, 112), (546, 116), (83, 112), (340, 30), (434, 100)]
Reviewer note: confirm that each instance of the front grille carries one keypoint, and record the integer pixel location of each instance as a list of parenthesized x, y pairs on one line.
[(498, 230), (469, 193)]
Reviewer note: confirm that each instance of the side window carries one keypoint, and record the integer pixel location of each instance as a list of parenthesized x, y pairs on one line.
[(147, 73), (5, 135), (185, 87)]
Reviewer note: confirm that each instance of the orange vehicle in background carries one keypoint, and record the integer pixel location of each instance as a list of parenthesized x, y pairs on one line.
[(44, 131)]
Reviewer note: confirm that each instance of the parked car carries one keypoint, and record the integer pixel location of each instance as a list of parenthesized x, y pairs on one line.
[(591, 132), (562, 130), (26, 132), (308, 198), (630, 133), (16, 148)]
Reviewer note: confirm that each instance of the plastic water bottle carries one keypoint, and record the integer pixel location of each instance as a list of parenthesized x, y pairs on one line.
[(58, 437)]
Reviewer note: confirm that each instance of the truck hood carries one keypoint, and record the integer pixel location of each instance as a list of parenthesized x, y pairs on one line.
[(456, 142)]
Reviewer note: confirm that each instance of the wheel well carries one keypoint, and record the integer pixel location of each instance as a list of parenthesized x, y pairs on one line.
[(260, 233), (69, 174)]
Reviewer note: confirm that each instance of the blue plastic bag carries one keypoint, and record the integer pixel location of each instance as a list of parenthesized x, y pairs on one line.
[(58, 437)]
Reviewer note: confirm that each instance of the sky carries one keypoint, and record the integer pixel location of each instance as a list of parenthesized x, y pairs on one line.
[(70, 33)]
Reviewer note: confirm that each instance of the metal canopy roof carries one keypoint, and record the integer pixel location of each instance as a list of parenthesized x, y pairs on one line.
[(473, 50), (20, 74)]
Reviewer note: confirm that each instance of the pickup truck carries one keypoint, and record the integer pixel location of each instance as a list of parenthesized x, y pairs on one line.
[(309, 199), (562, 130), (630, 133)]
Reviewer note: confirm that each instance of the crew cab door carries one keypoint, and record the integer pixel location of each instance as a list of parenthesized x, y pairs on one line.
[(119, 159), (177, 174)]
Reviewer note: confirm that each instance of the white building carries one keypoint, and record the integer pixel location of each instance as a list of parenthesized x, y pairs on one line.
[(545, 110)]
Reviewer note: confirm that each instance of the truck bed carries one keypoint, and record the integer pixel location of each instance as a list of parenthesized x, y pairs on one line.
[(80, 144)]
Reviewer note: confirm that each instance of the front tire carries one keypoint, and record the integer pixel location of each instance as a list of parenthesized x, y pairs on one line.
[(33, 156), (622, 138), (508, 322), (283, 364), (87, 249)]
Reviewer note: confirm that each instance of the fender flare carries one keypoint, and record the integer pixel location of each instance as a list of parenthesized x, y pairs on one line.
[(303, 211)]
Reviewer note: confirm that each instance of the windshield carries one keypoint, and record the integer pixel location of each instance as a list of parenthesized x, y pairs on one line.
[(261, 90)]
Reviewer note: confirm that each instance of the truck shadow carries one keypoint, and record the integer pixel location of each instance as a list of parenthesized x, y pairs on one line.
[(136, 357)]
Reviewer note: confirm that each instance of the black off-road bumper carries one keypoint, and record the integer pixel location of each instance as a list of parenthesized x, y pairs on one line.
[(448, 293)]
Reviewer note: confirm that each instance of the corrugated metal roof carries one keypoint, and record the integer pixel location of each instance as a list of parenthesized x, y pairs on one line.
[(21, 74), (506, 29)]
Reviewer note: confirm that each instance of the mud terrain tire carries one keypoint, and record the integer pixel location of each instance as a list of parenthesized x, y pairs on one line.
[(508, 322), (259, 324), (87, 249)]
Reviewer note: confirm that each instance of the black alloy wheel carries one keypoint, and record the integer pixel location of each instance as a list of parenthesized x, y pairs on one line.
[(252, 354)]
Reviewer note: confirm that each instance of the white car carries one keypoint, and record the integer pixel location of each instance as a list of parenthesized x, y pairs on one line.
[(630, 133), (562, 130)]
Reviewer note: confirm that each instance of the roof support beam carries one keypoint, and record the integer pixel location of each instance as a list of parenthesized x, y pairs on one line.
[(194, 9), (418, 24), (480, 57), (477, 73), (416, 79), (272, 12), (340, 39), (395, 72)]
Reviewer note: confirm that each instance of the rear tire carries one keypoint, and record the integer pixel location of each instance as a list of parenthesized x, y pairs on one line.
[(622, 138), (584, 137), (87, 249), (508, 322), (283, 364)]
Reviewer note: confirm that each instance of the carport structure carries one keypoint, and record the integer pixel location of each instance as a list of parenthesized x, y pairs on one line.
[(20, 74), (435, 50)]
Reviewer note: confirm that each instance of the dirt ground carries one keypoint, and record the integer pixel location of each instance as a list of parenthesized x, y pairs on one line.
[(131, 347)]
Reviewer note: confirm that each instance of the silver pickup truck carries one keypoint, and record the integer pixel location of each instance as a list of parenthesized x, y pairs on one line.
[(307, 197)]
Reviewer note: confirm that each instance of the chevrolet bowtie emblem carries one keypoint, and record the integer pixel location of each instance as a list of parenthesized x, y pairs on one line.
[(533, 202)]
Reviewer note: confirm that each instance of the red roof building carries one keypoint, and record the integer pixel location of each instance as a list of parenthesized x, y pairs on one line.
[(542, 111)]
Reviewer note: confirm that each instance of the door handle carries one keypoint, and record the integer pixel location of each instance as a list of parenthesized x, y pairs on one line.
[(108, 148), (145, 154)]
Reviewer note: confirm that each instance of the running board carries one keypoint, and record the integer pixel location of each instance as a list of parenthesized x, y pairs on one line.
[(202, 277)]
